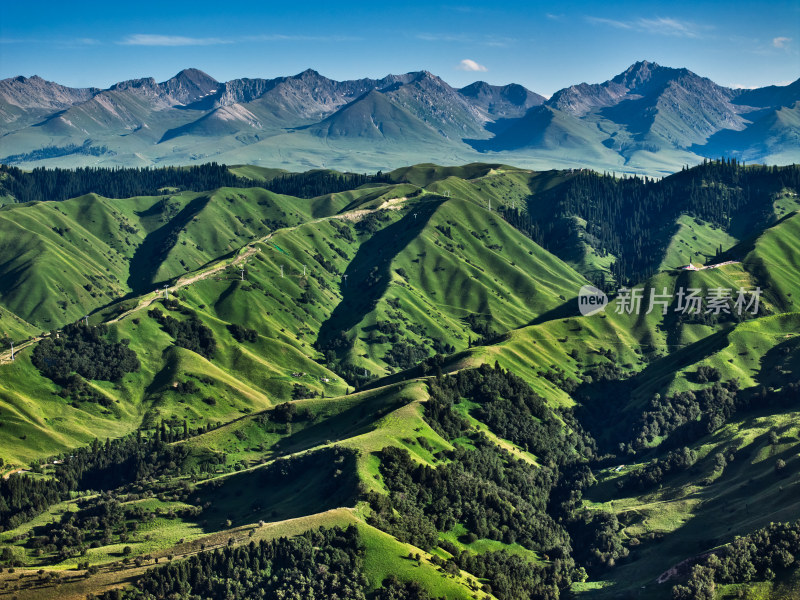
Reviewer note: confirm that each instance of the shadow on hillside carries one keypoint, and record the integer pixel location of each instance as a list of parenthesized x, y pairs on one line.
[(605, 407), (749, 494), (565, 310), (779, 365), (287, 489), (354, 421), (368, 275), (154, 249)]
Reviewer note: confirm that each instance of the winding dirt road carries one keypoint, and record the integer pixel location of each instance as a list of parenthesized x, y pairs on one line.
[(244, 253)]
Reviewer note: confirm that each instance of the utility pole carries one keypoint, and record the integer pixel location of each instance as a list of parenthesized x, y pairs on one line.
[(345, 279), (415, 216), (242, 270), (490, 204), (86, 320), (304, 270), (12, 351), (281, 270)]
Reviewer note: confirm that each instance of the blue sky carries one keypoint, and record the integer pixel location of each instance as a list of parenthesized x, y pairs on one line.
[(544, 46)]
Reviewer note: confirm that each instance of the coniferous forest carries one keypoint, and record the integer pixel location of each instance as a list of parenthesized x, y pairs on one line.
[(630, 217)]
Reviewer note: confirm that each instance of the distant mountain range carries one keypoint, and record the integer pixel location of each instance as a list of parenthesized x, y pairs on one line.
[(649, 119)]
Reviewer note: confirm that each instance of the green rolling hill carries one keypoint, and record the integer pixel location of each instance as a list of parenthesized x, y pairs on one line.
[(400, 357)]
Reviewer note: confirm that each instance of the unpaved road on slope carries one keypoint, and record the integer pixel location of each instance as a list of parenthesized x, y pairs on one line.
[(250, 249)]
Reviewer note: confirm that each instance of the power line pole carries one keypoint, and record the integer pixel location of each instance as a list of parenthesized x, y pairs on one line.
[(242, 270), (281, 270), (12, 351), (86, 320), (304, 270), (345, 279)]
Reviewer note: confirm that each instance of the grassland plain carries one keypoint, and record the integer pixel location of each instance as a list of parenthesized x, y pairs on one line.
[(331, 287)]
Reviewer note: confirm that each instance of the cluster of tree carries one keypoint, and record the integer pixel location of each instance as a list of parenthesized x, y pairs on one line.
[(394, 589), (78, 389), (605, 371), (325, 563), (23, 497), (318, 183), (83, 350), (597, 539), (61, 184), (242, 334), (104, 466), (484, 488), (326, 264), (625, 216), (560, 379), (300, 392), (654, 472), (704, 374), (759, 556), (480, 325), (424, 500), (493, 495), (101, 520), (351, 373), (189, 333), (371, 223), (512, 410), (514, 578), (405, 354), (343, 231), (685, 416), (786, 396), (443, 348), (288, 412)]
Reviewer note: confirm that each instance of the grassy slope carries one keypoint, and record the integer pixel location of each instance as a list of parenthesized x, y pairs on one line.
[(66, 259), (683, 518), (694, 242), (518, 284)]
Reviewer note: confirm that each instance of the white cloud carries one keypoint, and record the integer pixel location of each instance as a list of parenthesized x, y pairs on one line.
[(667, 26), (54, 41), (280, 37), (149, 39), (609, 22), (493, 41), (657, 25), (470, 65), (781, 42)]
